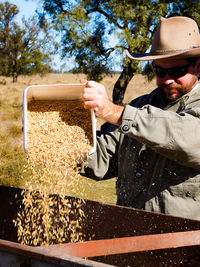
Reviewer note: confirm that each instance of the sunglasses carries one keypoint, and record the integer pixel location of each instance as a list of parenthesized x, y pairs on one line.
[(175, 72)]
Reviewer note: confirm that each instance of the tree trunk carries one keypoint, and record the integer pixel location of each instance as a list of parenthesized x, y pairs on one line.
[(15, 77), (122, 83)]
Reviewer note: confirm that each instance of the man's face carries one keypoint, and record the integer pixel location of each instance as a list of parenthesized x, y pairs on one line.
[(175, 87)]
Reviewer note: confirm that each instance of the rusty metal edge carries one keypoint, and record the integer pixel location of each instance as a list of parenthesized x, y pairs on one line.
[(129, 244), (48, 255)]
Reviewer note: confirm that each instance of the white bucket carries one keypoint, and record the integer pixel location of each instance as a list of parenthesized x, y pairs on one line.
[(54, 92)]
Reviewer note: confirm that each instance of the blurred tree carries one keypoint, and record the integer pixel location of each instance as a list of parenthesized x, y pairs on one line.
[(21, 49), (86, 26)]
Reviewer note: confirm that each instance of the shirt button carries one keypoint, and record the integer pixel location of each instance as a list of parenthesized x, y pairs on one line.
[(138, 174), (188, 194), (125, 128)]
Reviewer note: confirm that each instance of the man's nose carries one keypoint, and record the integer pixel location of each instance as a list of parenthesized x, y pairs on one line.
[(167, 79)]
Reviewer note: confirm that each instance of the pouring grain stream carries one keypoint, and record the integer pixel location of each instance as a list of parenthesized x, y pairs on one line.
[(59, 135)]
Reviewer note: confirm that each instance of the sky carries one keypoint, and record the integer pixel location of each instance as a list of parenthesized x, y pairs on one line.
[(26, 8)]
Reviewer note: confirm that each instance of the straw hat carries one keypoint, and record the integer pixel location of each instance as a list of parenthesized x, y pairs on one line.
[(175, 37)]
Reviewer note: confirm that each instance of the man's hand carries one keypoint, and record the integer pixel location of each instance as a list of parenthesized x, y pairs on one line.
[(95, 97)]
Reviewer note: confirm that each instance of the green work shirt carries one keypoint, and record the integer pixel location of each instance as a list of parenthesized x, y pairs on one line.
[(155, 155)]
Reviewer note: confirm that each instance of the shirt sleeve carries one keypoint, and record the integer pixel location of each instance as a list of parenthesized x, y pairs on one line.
[(175, 136), (102, 164)]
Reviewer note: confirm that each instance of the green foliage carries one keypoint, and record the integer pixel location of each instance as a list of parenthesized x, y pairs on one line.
[(148, 71), (185, 8), (21, 49), (85, 28)]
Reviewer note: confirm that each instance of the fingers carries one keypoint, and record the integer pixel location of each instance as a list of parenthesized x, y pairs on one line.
[(92, 100), (90, 104), (89, 84), (83, 81), (95, 97), (92, 84), (93, 88)]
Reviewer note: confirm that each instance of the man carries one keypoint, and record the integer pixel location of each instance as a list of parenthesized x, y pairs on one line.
[(155, 149)]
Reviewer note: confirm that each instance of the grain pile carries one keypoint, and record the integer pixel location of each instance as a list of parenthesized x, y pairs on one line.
[(58, 138)]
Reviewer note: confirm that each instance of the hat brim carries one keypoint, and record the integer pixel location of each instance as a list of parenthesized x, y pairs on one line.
[(194, 52)]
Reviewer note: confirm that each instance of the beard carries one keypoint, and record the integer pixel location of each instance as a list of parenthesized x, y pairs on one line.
[(172, 91), (170, 86)]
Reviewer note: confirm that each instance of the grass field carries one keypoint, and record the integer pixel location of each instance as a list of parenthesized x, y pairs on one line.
[(14, 169)]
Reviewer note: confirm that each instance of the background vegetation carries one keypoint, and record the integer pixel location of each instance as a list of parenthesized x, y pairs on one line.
[(23, 49)]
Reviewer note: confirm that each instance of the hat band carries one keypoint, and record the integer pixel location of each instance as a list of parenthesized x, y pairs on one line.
[(164, 52)]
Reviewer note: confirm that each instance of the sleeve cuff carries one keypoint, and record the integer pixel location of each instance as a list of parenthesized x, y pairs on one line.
[(128, 119)]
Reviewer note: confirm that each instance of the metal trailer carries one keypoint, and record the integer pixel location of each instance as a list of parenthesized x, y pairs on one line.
[(122, 237)]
